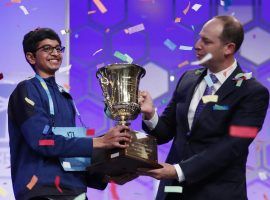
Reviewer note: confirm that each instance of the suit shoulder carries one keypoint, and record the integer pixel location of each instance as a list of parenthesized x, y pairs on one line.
[(253, 84), (22, 86)]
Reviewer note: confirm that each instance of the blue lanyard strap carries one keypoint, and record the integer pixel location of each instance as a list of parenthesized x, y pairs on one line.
[(45, 87)]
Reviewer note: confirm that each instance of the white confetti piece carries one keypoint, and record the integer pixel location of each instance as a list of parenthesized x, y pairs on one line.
[(196, 7), (134, 29), (210, 98), (173, 189), (203, 60), (29, 101), (25, 11), (186, 48)]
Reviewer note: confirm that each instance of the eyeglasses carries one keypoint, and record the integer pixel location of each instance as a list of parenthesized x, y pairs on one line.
[(49, 49)]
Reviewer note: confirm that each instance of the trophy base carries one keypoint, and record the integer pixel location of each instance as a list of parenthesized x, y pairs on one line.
[(142, 153), (121, 165)]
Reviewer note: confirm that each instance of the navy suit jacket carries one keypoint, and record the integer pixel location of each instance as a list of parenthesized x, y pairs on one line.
[(212, 161)]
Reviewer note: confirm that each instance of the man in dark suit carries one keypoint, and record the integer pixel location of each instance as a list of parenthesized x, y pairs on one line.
[(211, 138)]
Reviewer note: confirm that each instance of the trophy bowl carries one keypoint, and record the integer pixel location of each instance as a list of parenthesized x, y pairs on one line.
[(120, 87)]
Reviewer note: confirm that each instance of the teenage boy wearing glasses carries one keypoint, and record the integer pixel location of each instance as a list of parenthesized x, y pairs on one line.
[(35, 107)]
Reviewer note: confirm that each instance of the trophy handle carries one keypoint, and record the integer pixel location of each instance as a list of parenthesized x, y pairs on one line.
[(104, 82)]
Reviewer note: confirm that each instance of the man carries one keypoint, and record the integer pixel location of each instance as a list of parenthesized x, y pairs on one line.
[(36, 108), (206, 158)]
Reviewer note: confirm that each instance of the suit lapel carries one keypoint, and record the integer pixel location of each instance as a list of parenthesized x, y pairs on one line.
[(192, 81), (226, 88), (229, 85)]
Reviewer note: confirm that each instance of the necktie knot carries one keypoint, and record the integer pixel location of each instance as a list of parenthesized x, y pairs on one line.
[(213, 78)]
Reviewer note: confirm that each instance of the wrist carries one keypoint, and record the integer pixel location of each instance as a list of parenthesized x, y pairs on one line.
[(97, 142)]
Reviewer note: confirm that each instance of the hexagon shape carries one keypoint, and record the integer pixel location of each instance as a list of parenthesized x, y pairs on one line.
[(87, 41), (256, 39), (115, 14), (242, 10), (135, 45), (155, 74), (92, 114)]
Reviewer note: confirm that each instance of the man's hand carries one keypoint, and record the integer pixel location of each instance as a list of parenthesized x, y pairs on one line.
[(146, 103), (116, 137), (167, 172)]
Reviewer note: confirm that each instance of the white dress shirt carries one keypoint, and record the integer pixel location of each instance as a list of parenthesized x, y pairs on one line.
[(198, 93)]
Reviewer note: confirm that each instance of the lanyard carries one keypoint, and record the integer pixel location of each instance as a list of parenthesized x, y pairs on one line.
[(45, 87)]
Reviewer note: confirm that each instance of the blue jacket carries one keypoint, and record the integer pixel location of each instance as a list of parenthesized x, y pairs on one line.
[(28, 114)]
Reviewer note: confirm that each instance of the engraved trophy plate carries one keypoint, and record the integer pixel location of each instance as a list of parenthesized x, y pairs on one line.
[(120, 87)]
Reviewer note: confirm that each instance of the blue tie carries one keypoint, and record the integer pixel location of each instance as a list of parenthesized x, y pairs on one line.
[(208, 91)]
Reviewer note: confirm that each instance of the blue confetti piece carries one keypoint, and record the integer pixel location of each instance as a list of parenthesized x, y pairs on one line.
[(46, 129), (219, 107), (168, 43)]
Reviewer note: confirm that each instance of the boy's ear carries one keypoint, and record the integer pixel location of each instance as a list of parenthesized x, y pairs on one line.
[(30, 58)]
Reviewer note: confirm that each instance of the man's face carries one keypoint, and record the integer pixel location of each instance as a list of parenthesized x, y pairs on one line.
[(210, 42), (46, 62)]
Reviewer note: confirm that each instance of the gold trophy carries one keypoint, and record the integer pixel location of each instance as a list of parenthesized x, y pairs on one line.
[(120, 87)]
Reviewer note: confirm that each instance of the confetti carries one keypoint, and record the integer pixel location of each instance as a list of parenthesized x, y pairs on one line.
[(81, 197), (107, 30), (192, 26), (210, 98), (219, 107), (29, 101), (1, 76), (198, 71), (186, 9), (134, 29), (140, 135), (242, 76), (25, 11), (66, 165), (46, 142), (97, 52), (263, 175), (65, 31), (186, 48), (91, 12), (186, 62), (177, 20), (16, 1), (100, 6), (196, 7), (114, 193), (203, 60), (243, 131), (119, 55), (208, 80), (90, 132), (128, 58), (173, 189), (57, 183), (46, 129), (32, 183), (168, 43), (3, 192)]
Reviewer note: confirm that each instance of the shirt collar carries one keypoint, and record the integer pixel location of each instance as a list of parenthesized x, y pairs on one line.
[(224, 74)]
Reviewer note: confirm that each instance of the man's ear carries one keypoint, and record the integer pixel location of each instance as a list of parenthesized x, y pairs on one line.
[(30, 58), (229, 48)]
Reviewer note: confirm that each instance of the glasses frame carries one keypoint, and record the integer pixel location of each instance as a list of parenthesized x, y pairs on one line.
[(51, 49)]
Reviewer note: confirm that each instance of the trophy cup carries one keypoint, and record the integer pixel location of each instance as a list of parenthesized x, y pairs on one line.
[(120, 85)]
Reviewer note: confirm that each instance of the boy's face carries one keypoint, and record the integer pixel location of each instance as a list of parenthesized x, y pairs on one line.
[(47, 58)]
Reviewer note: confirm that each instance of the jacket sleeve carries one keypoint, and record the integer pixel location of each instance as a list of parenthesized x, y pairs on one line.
[(28, 114), (96, 181), (251, 112)]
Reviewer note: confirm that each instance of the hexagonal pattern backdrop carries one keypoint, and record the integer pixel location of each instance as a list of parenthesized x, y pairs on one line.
[(96, 36)]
